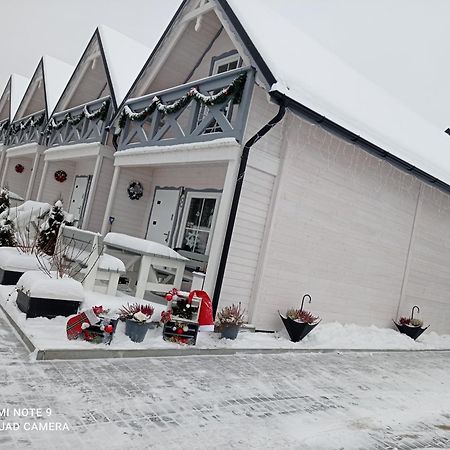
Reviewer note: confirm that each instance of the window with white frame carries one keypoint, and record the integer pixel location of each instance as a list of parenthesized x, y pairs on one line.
[(198, 221), (221, 65)]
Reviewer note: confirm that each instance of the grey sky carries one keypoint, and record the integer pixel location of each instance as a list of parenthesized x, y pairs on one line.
[(62, 28)]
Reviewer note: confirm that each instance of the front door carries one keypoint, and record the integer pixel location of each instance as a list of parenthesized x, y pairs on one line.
[(163, 216), (79, 198)]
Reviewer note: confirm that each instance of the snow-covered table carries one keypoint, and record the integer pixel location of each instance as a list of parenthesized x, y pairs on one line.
[(150, 256)]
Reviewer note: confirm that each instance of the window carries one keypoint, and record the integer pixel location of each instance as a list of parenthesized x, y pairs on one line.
[(198, 221), (221, 65)]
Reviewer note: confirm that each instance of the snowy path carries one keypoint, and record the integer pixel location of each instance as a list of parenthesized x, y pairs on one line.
[(298, 401)]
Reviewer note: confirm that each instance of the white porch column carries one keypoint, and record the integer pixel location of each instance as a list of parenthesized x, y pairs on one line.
[(5, 171), (42, 182), (221, 226), (111, 198), (92, 191), (32, 176)]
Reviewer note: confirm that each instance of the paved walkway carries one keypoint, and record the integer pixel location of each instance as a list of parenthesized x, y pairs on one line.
[(291, 401)]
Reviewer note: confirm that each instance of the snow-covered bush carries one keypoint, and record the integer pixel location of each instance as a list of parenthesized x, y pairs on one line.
[(230, 316)]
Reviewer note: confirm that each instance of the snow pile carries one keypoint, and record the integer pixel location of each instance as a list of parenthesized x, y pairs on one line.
[(141, 246), (30, 210), (11, 259), (337, 91), (40, 285), (111, 263)]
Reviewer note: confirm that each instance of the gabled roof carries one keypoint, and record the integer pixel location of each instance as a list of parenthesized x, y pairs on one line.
[(55, 74), (301, 69), (14, 90), (18, 86), (122, 58)]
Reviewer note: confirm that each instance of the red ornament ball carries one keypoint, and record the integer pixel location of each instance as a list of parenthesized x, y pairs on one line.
[(19, 168), (109, 328), (180, 331), (169, 297), (61, 176)]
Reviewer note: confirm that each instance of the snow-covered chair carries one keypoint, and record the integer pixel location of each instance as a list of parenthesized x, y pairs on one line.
[(97, 269)]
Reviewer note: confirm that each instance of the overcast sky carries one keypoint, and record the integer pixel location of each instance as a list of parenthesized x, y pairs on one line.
[(62, 28), (400, 44)]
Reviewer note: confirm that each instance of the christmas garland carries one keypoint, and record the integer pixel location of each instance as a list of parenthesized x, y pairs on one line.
[(234, 89), (100, 113), (135, 190), (4, 126), (29, 123)]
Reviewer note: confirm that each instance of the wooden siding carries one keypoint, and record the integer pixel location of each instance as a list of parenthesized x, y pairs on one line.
[(131, 216), (340, 231), (38, 177), (427, 281), (185, 54), (248, 234), (54, 190), (221, 45), (18, 182), (101, 195)]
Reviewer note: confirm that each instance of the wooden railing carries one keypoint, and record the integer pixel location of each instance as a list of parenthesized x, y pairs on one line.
[(4, 127), (192, 120), (28, 129), (75, 125)]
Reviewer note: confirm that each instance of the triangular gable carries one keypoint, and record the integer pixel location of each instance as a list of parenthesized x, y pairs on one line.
[(200, 22), (108, 66), (45, 87), (19, 85), (5, 102)]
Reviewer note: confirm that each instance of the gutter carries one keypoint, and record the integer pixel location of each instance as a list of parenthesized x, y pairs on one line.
[(236, 197)]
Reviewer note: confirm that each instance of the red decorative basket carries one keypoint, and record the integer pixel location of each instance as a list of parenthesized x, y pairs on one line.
[(61, 176), (19, 168)]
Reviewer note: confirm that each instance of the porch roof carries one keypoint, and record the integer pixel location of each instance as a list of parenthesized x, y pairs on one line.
[(317, 79)]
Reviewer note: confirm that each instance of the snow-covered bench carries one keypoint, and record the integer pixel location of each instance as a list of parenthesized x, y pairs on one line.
[(97, 269)]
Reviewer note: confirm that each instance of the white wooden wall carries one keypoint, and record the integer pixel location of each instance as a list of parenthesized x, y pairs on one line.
[(341, 230), (101, 195), (54, 190), (240, 278), (427, 280), (18, 182), (131, 216)]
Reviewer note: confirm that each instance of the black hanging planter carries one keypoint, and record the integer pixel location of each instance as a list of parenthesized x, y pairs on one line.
[(411, 331), (298, 330)]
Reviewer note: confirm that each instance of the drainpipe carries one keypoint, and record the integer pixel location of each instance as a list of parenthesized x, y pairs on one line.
[(235, 203)]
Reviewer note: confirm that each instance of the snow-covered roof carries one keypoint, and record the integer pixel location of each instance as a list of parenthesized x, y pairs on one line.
[(56, 77), (124, 56), (18, 87), (314, 77)]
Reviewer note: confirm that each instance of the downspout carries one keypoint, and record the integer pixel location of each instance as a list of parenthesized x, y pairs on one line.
[(235, 203)]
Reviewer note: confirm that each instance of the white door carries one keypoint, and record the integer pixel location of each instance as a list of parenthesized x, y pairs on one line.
[(163, 216), (79, 197)]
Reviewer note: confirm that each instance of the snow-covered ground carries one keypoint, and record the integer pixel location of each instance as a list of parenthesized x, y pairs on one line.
[(325, 401), (51, 334)]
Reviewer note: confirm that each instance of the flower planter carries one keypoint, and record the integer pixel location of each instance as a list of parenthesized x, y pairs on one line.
[(9, 277), (230, 332), (412, 332), (188, 336), (136, 331), (46, 307), (405, 327), (297, 330), (39, 295)]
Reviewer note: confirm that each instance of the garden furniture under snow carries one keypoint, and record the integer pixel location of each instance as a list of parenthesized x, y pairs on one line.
[(143, 259), (98, 269)]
